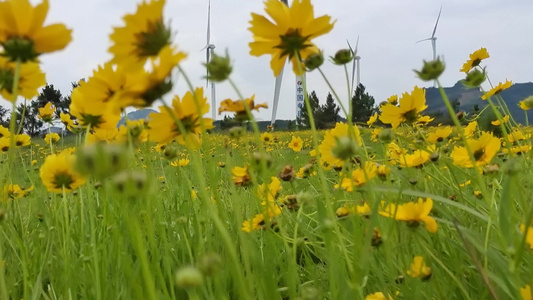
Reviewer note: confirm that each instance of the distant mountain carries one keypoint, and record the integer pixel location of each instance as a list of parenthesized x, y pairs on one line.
[(468, 98), (136, 115)]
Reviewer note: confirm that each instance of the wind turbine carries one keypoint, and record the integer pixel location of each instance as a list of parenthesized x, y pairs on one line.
[(433, 38), (277, 88), (208, 52), (356, 64)]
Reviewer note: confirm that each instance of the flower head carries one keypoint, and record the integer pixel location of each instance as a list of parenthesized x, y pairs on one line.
[(408, 110), (22, 34), (527, 103), (483, 150), (330, 142), (57, 173), (418, 268), (412, 213), (31, 78), (142, 37), (497, 89), (296, 143), (241, 177), (46, 113), (289, 34), (51, 138), (163, 127), (475, 60), (239, 107)]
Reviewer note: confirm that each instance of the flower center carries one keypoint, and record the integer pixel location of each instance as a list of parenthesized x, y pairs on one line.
[(479, 154), (150, 43), (19, 48), (63, 180), (292, 42), (476, 62), (410, 116)]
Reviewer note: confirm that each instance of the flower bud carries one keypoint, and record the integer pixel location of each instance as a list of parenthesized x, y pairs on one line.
[(342, 57), (527, 103), (314, 61), (385, 135), (219, 68), (345, 148), (209, 264), (475, 78), (101, 160), (431, 70), (189, 277)]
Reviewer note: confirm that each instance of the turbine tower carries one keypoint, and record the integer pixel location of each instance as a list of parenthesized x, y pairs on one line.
[(277, 88), (356, 66), (209, 48)]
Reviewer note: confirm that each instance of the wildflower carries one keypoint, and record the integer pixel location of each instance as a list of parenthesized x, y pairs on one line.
[(483, 150), (525, 292), (5, 143), (475, 60), (372, 119), (330, 141), (393, 100), (30, 80), (241, 177), (267, 138), (58, 174), (4, 132), (163, 127), (378, 296), (239, 107), (142, 37), (254, 224), (46, 113), (296, 144), (218, 68), (497, 89), (306, 171), (22, 34), (527, 103), (182, 162), (342, 57), (431, 70), (468, 182), (412, 213), (67, 121), (51, 138), (475, 78), (416, 159), (360, 176), (106, 135), (418, 268), (22, 140), (287, 174), (383, 171), (374, 134), (14, 191), (408, 111), (289, 35), (470, 129), (505, 119), (424, 120), (134, 131), (314, 61), (439, 134)]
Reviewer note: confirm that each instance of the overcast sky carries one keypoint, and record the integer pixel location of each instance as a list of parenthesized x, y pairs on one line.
[(388, 31)]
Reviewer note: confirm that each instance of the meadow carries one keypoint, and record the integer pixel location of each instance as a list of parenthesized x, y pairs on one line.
[(167, 208)]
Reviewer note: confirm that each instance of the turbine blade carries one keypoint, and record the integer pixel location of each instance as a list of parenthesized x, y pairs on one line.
[(277, 89), (436, 23), (423, 40), (209, 22), (356, 46)]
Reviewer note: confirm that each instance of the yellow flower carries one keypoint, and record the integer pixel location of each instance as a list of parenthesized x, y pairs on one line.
[(341, 131), (439, 134), (424, 120), (14, 191), (470, 129), (102, 135), (256, 223), (241, 177), (497, 89), (527, 103), (475, 60), (483, 150), (4, 132), (412, 213), (31, 78), (360, 176), (5, 143), (57, 173), (51, 138), (505, 119), (289, 36), (267, 138), (46, 113), (239, 107), (296, 144), (142, 37), (163, 127), (34, 162), (378, 296), (22, 34), (408, 111), (525, 292), (418, 268), (529, 235), (468, 182), (417, 159), (393, 100), (517, 135), (372, 119), (182, 162), (22, 140), (134, 130), (67, 121)]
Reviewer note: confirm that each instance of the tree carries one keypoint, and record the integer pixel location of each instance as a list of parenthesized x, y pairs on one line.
[(362, 105), (328, 114), (31, 124), (50, 94), (303, 119)]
